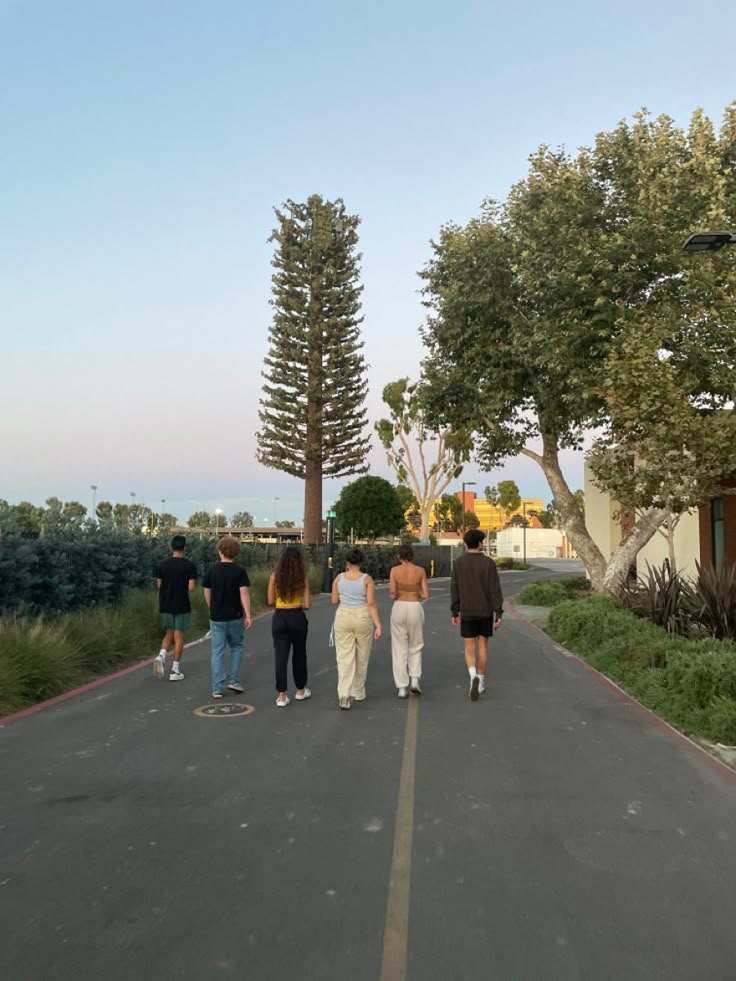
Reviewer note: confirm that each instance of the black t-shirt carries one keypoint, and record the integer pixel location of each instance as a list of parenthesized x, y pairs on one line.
[(225, 580), (173, 596)]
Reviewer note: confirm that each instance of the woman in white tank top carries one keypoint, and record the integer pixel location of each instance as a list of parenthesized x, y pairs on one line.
[(356, 627)]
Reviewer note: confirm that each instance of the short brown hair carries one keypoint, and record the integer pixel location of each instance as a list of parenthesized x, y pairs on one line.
[(229, 547), (406, 552)]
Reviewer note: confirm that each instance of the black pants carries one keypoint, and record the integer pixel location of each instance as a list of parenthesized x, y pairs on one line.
[(289, 630)]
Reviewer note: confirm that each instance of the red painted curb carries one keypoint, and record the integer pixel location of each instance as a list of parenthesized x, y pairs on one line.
[(651, 717)]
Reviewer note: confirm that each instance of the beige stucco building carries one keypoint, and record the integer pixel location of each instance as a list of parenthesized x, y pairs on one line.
[(706, 534)]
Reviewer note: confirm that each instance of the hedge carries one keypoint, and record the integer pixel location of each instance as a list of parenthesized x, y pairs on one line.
[(691, 683)]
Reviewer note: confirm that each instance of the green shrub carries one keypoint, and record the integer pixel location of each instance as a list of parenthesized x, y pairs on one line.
[(691, 683), (38, 660), (544, 592), (660, 596), (711, 602)]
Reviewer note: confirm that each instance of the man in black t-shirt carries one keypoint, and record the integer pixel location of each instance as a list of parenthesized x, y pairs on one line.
[(175, 579), (227, 595)]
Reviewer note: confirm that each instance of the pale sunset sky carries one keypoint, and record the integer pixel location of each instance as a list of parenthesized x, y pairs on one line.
[(145, 142)]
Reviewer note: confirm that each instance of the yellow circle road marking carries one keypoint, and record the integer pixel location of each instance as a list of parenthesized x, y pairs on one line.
[(224, 710)]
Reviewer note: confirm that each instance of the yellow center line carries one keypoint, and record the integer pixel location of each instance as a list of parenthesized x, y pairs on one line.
[(396, 930)]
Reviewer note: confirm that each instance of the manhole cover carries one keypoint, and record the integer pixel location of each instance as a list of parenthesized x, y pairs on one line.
[(223, 710)]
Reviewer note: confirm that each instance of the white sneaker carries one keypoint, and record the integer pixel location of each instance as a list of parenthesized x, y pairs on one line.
[(403, 692), (176, 676), (284, 703), (481, 687), (158, 666), (474, 689), (414, 686), (306, 694)]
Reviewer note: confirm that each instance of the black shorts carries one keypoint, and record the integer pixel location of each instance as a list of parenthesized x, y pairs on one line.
[(476, 626)]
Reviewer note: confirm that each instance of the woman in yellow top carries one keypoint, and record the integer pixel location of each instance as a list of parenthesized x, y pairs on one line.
[(288, 591), (407, 586)]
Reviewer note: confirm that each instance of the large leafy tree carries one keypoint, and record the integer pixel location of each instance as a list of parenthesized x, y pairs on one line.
[(448, 512), (201, 519), (424, 459), (543, 306), (370, 508), (312, 413), (506, 496), (242, 519)]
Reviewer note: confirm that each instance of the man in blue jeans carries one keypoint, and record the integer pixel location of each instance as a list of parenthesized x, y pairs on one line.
[(228, 600)]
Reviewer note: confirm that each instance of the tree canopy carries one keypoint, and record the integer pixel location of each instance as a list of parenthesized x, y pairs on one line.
[(506, 496), (410, 441), (570, 307), (370, 508), (241, 519), (313, 414)]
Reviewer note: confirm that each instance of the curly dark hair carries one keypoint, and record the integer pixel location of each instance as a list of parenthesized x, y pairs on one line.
[(290, 576)]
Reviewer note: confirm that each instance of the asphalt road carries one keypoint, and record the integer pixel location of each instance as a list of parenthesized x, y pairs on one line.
[(548, 831)]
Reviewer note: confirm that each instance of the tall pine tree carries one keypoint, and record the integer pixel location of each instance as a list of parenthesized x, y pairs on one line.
[(313, 414)]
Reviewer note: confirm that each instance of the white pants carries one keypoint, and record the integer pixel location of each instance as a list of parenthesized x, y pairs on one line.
[(407, 640)]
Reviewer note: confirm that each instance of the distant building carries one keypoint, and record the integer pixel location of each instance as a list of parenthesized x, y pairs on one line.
[(264, 535), (541, 543), (492, 517)]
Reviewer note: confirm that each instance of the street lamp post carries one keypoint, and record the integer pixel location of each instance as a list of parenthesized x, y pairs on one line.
[(93, 488), (274, 510), (466, 483), (523, 505), (132, 506), (329, 571), (218, 512)]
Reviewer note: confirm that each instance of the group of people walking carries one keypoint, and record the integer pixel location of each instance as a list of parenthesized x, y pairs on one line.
[(476, 606)]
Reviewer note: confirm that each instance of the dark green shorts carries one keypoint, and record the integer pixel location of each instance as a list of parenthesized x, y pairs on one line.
[(176, 621)]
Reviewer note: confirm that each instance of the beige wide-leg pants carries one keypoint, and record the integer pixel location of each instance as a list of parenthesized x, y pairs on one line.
[(407, 640), (353, 641)]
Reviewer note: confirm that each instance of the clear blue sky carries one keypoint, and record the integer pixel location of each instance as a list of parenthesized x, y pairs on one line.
[(144, 143)]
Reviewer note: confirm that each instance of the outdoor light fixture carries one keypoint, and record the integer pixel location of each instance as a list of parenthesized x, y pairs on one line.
[(709, 241)]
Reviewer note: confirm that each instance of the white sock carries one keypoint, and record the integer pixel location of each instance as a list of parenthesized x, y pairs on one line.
[(472, 672), (482, 679), (162, 654), (175, 667)]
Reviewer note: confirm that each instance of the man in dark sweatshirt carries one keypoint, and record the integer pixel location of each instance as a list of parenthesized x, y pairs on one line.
[(476, 602)]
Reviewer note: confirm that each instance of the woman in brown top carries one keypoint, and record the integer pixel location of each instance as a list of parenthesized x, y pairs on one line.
[(407, 586)]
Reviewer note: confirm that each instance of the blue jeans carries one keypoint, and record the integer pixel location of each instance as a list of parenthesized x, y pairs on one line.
[(224, 633)]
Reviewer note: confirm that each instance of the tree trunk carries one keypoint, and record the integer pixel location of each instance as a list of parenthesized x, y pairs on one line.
[(313, 504), (313, 462), (622, 559), (425, 510), (605, 577), (571, 517), (671, 525)]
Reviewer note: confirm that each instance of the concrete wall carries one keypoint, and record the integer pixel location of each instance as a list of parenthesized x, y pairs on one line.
[(605, 530), (603, 527), (687, 546)]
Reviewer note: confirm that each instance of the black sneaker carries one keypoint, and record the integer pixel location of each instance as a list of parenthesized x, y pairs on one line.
[(474, 689)]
